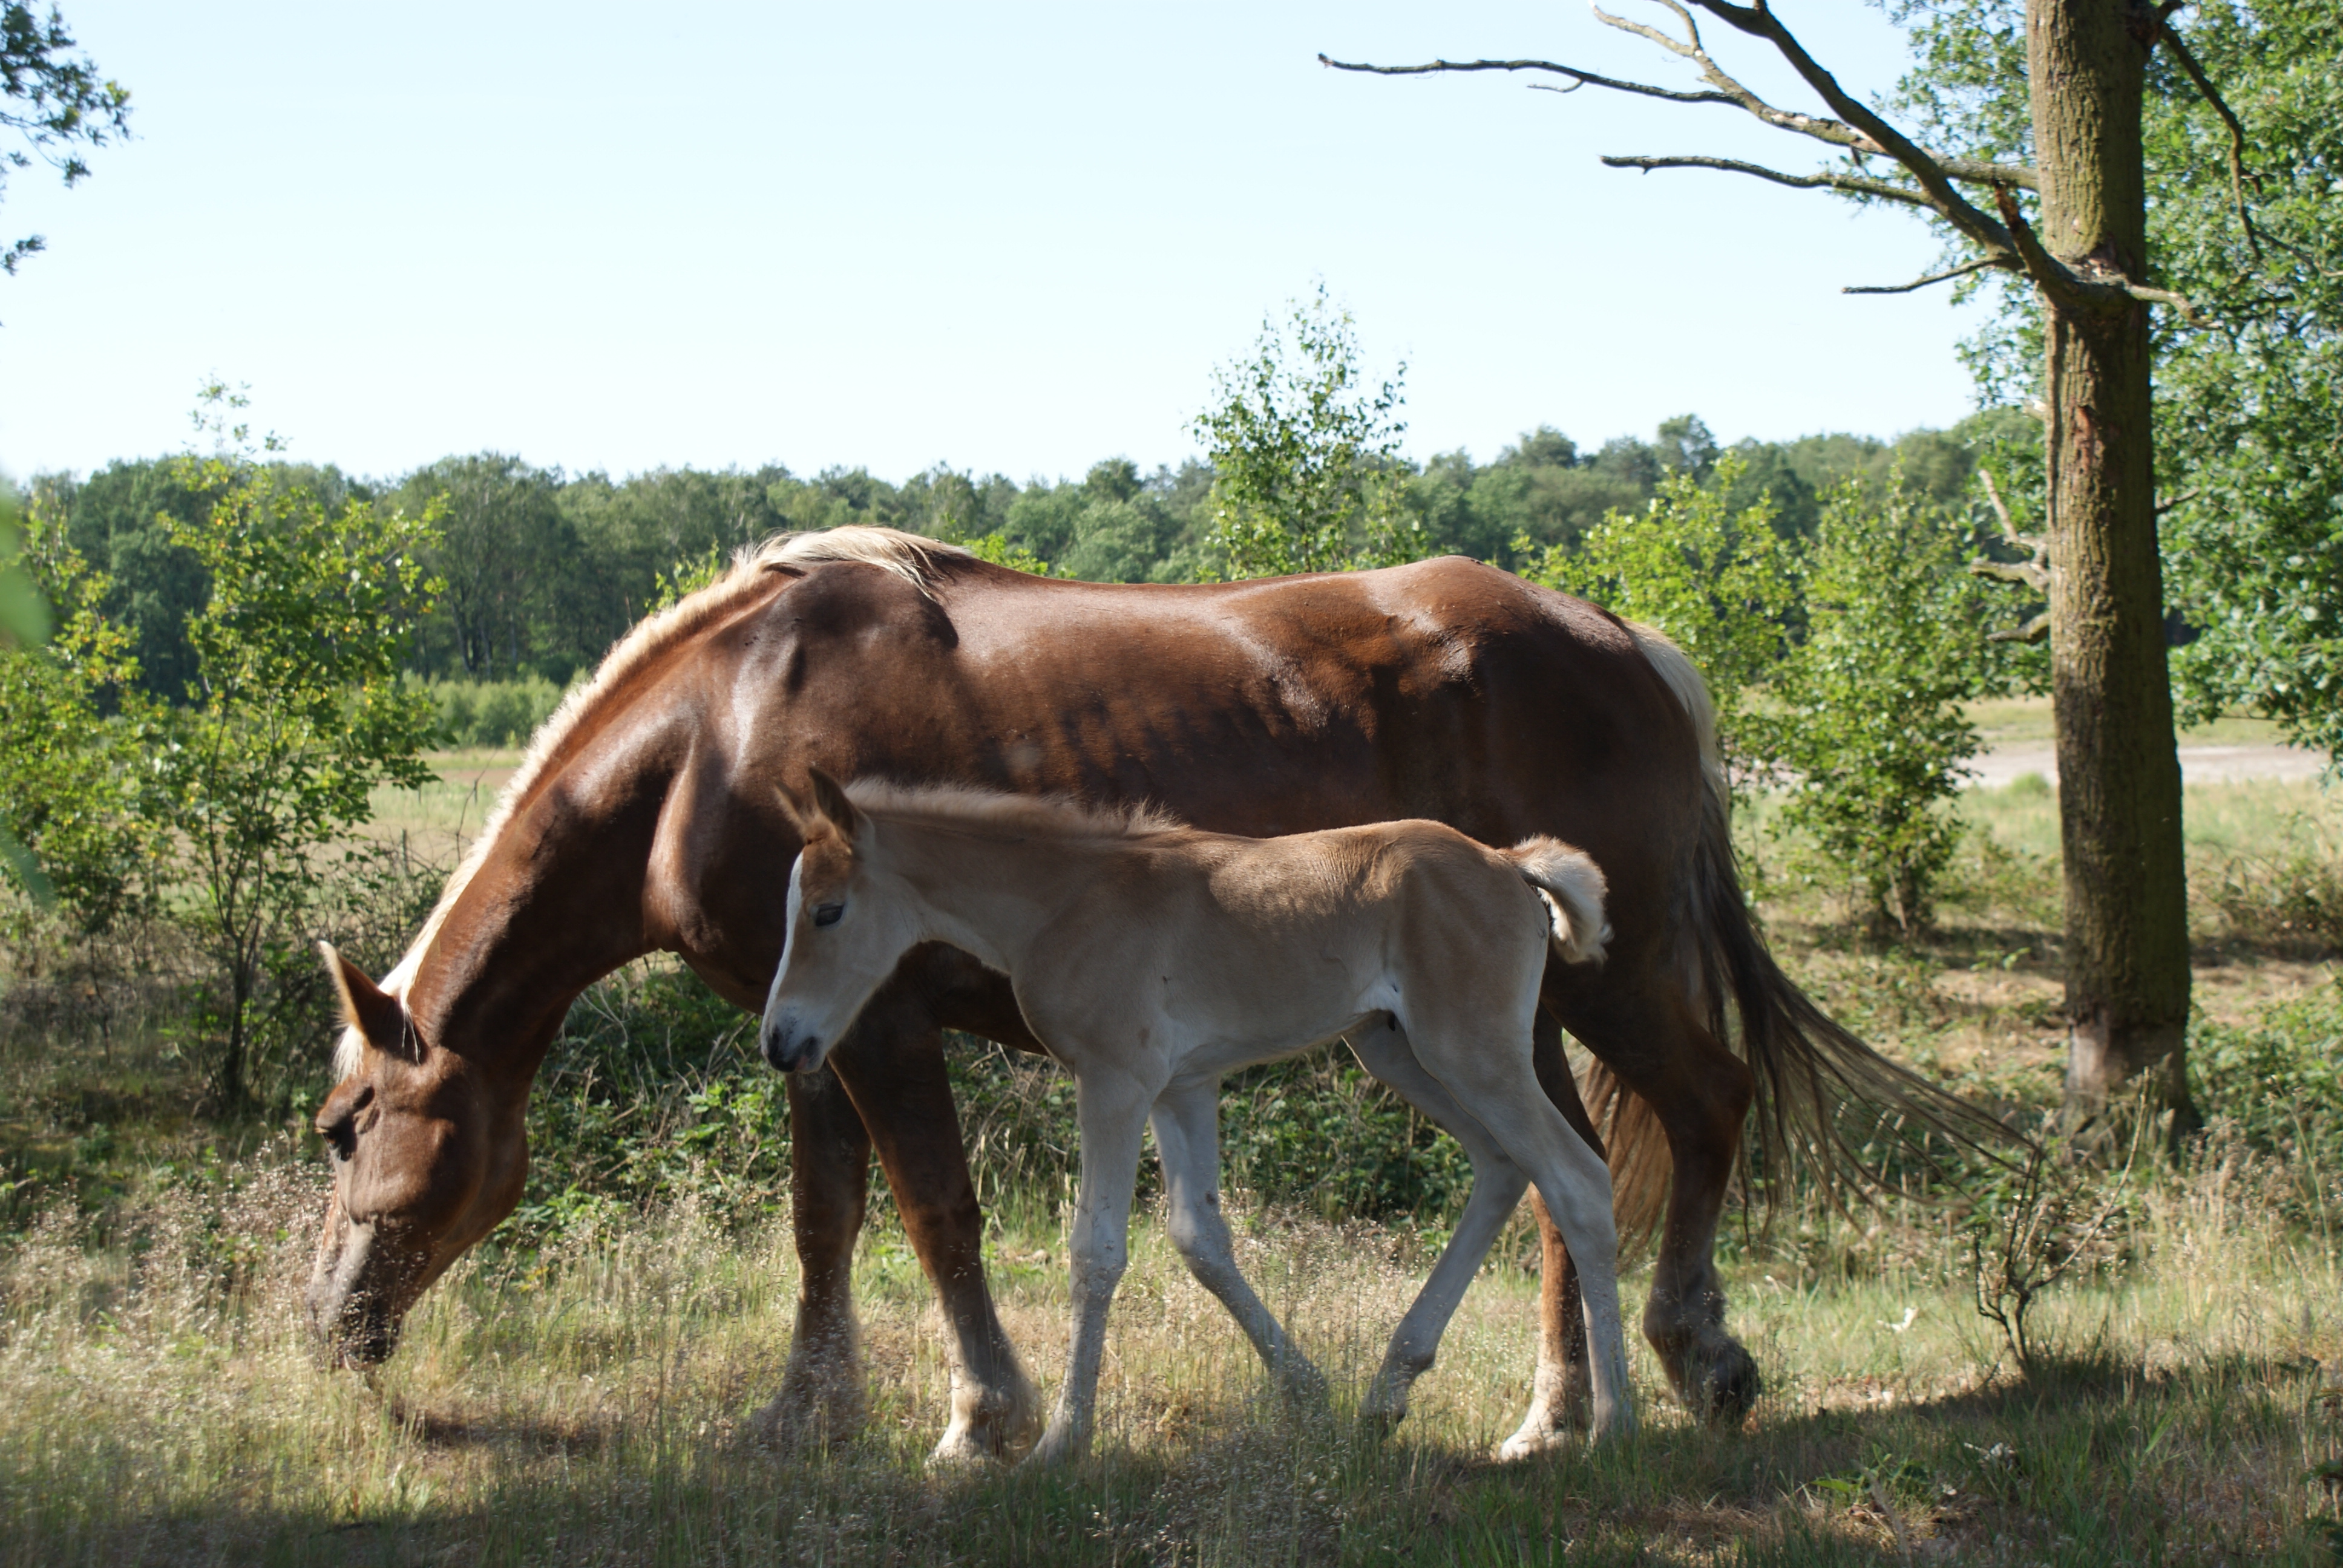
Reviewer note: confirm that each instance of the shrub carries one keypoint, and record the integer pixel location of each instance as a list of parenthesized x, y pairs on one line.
[(1722, 584), (1869, 729)]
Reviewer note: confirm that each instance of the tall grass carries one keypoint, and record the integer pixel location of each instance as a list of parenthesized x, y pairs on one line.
[(590, 1401)]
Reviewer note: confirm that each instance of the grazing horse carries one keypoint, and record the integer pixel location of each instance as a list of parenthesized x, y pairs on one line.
[(1151, 959), (1448, 691)]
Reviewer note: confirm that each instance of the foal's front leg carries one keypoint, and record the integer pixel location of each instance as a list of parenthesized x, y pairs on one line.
[(1111, 1107), (1187, 1138)]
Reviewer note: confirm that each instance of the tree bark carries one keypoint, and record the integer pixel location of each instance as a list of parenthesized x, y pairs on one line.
[(2127, 923)]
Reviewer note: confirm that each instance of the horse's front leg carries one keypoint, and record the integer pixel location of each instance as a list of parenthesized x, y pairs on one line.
[(892, 1065), (1113, 1108), (822, 1394), (1188, 1139)]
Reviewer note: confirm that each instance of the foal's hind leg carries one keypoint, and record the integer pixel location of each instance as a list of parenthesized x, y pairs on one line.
[(1561, 1394), (1497, 1184), (1187, 1138), (1465, 1049)]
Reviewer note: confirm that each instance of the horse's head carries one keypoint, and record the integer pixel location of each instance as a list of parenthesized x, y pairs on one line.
[(427, 1156), (849, 924)]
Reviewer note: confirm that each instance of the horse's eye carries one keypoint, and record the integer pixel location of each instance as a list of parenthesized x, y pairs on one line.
[(828, 914)]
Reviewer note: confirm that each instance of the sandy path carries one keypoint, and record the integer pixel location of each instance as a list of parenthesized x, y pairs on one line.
[(2198, 764)]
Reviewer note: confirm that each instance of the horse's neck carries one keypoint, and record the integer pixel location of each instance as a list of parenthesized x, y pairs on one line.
[(991, 896), (550, 911)]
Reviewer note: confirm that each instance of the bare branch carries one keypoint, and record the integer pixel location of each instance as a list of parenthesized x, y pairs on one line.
[(2182, 500), (1838, 132), (2019, 574), (1578, 78), (2037, 546), (1879, 188), (2238, 177), (2035, 631), (1759, 22), (2063, 286), (1980, 264)]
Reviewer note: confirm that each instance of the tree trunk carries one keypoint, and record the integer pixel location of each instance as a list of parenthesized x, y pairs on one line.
[(2118, 773)]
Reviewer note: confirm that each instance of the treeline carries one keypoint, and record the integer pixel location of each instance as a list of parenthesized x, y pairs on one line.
[(544, 569)]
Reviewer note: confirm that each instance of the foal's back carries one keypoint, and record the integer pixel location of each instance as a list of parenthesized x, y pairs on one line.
[(1271, 944)]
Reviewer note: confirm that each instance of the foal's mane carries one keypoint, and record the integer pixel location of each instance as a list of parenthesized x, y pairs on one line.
[(918, 561), (998, 811)]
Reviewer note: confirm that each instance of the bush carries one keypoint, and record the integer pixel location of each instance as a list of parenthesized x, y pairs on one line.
[(1870, 731), (490, 713)]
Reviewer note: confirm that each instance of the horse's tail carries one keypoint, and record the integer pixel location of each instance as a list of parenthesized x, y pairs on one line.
[(1821, 1093), (1571, 884)]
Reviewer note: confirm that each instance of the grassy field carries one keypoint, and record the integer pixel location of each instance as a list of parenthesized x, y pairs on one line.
[(590, 1399)]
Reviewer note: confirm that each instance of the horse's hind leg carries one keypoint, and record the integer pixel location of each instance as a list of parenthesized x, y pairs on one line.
[(1497, 1184), (1188, 1140), (1699, 1093), (892, 1065)]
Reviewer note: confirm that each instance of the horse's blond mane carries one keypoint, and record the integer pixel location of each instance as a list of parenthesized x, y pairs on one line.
[(959, 806), (916, 560)]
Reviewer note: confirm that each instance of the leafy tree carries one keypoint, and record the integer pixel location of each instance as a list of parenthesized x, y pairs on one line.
[(1868, 724), (2053, 90), (57, 104), (78, 797), (1718, 581), (502, 548), (1307, 458), (299, 713)]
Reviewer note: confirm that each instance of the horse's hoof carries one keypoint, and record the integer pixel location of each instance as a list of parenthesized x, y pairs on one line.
[(1726, 1387)]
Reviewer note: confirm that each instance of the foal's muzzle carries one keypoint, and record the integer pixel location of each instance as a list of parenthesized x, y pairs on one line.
[(786, 1049)]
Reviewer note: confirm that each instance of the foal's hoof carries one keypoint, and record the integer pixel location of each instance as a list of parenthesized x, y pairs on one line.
[(1534, 1438), (1723, 1385)]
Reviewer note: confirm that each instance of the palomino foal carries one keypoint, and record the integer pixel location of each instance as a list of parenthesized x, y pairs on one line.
[(1152, 958)]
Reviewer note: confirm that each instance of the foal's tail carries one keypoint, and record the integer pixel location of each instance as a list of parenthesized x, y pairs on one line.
[(1571, 884), (1825, 1100)]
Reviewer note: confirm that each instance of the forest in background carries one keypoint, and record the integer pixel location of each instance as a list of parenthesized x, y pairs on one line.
[(545, 569)]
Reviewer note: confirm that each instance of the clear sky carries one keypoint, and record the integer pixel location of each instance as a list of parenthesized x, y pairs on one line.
[(1014, 237)]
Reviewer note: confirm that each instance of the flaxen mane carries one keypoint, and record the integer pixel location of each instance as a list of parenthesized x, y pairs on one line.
[(994, 811), (917, 561)]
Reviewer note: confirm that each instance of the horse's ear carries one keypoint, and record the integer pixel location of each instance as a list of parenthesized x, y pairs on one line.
[(830, 802), (374, 1011)]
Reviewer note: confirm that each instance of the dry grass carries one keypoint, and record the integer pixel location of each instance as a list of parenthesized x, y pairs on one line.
[(589, 1404)]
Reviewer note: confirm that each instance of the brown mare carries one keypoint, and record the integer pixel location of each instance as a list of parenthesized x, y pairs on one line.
[(646, 819)]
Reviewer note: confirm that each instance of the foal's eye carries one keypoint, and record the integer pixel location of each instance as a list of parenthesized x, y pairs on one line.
[(828, 914)]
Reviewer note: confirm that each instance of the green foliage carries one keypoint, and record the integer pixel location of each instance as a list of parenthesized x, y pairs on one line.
[(76, 788), (1309, 473), (1868, 726), (1720, 582), (2249, 409), (58, 104), (298, 713), (488, 713)]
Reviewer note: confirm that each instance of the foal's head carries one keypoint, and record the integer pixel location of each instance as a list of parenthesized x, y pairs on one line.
[(848, 926)]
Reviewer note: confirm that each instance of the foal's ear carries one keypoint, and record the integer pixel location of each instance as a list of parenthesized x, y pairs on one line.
[(374, 1011), (830, 805), (792, 808)]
